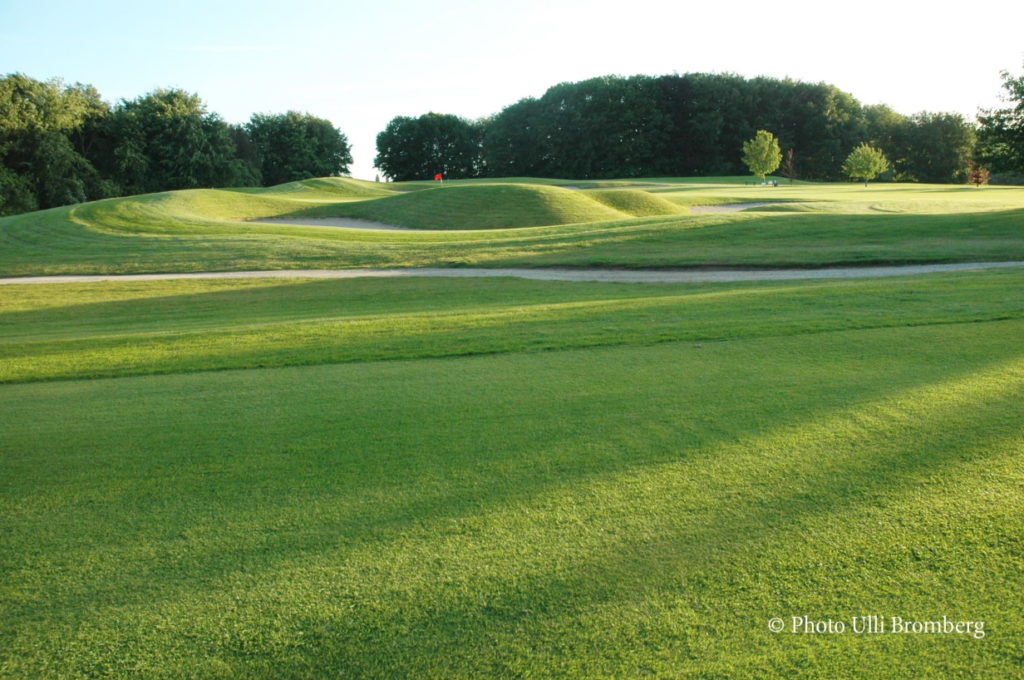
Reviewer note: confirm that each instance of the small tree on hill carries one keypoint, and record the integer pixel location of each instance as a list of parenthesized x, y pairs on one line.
[(977, 174), (761, 154), (865, 162)]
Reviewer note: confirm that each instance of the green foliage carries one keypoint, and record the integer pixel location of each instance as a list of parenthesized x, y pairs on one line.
[(514, 143), (1001, 135), (43, 150), (295, 146), (761, 154), (419, 148), (865, 162), (685, 125), (167, 140), (63, 144), (925, 147)]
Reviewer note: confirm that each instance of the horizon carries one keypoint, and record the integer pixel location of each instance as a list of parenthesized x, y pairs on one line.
[(471, 60)]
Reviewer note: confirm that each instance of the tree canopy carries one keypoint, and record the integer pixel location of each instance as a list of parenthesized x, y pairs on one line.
[(865, 162), (419, 148), (1001, 135), (168, 140), (43, 152), (762, 154), (63, 144), (293, 146), (688, 125)]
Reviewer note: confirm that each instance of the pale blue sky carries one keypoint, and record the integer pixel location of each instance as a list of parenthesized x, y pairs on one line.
[(359, 64)]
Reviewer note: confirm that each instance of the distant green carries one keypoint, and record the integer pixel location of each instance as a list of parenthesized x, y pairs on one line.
[(642, 223)]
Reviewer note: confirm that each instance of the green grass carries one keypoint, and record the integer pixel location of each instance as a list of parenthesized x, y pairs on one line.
[(812, 225), (480, 206), (132, 328), (503, 478), (635, 202), (611, 511)]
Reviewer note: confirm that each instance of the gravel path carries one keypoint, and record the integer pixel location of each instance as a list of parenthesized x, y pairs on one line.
[(610, 275)]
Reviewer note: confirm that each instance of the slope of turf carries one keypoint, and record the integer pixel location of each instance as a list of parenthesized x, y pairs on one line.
[(605, 512), (481, 206), (636, 202)]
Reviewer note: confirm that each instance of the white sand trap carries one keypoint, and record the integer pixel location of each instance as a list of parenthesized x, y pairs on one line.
[(727, 207), (340, 222)]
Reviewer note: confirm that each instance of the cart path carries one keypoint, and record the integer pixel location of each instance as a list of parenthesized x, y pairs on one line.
[(553, 274)]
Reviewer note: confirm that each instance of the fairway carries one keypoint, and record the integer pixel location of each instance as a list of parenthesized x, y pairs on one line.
[(498, 477)]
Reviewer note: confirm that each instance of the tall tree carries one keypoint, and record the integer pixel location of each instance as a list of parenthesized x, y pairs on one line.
[(513, 143), (167, 140), (936, 147), (865, 162), (1001, 135), (42, 161), (293, 146), (761, 154), (419, 148)]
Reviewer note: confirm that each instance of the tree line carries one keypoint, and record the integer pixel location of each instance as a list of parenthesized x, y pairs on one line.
[(62, 144), (688, 125)]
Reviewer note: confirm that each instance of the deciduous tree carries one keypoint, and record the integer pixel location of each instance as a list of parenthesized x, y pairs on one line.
[(293, 146), (1001, 135), (168, 140), (419, 148), (761, 154), (42, 149), (977, 174), (865, 162)]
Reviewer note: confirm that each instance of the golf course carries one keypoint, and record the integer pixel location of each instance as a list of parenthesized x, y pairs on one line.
[(585, 465)]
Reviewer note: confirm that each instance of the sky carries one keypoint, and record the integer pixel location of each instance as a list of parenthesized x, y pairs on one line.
[(359, 64)]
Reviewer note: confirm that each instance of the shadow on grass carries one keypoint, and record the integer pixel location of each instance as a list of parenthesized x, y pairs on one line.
[(228, 324), (913, 435), (917, 402)]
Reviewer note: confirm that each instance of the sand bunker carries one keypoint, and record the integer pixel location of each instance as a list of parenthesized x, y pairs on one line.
[(726, 207), (340, 222)]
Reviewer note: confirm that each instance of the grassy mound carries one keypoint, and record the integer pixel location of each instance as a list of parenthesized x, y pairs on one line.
[(826, 224), (479, 206), (635, 202), (334, 188)]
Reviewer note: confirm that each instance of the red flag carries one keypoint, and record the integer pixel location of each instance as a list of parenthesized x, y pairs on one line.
[(438, 177)]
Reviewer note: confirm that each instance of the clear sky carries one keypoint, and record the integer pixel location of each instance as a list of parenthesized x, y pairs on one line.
[(359, 64)]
